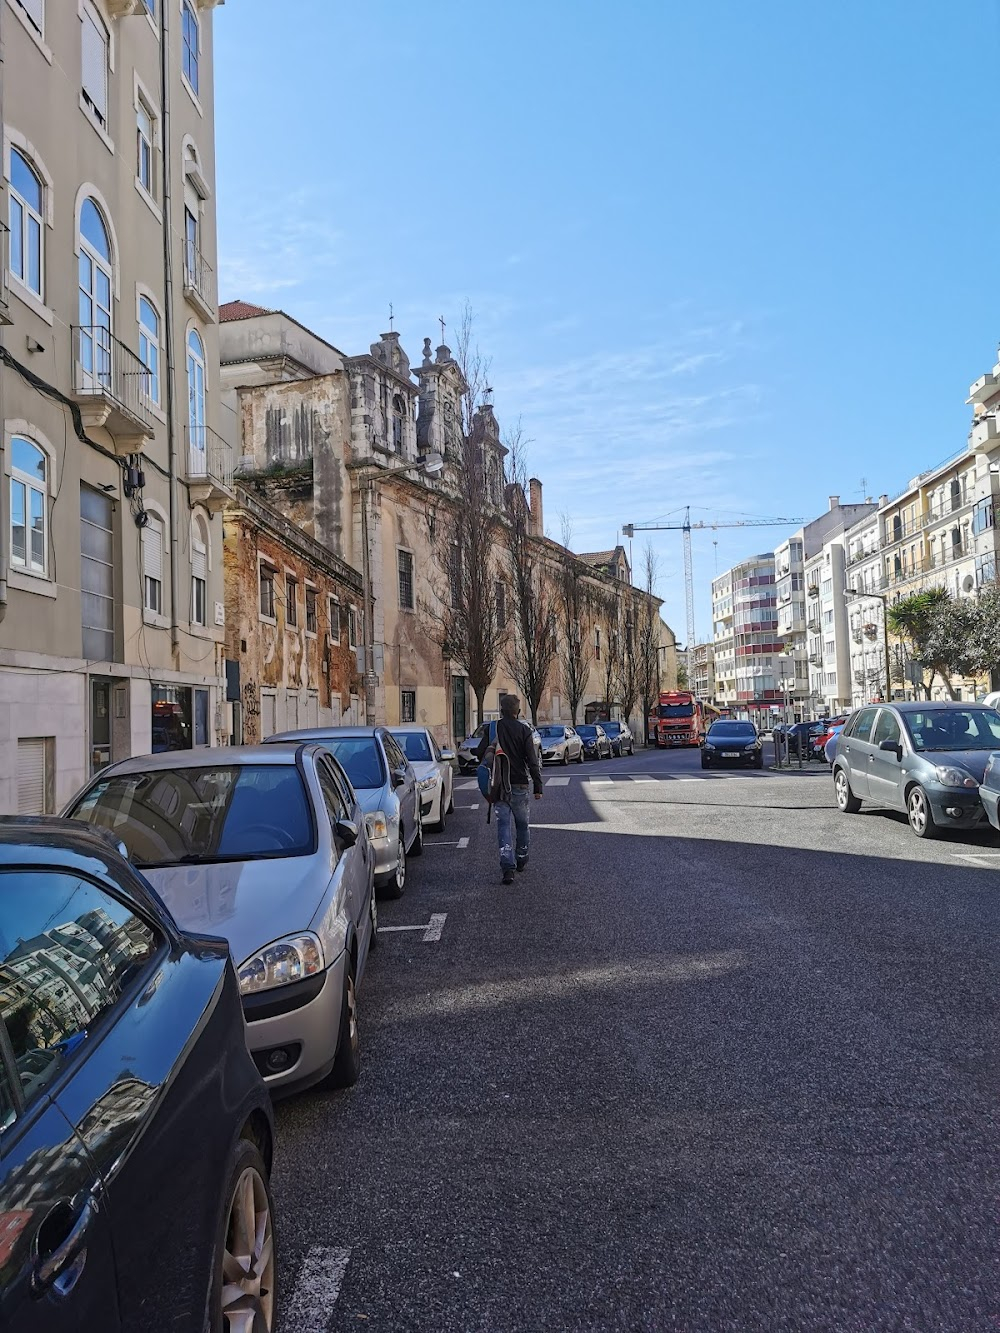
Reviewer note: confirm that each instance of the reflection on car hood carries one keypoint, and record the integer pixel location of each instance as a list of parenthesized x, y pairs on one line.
[(249, 902), (371, 798), (425, 768), (973, 761)]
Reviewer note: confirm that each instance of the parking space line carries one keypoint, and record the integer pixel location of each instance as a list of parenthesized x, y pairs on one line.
[(316, 1289), (462, 844), (471, 785), (433, 932), (644, 778), (557, 782)]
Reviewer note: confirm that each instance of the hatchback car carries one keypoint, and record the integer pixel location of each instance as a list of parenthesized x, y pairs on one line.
[(620, 736), (560, 745), (927, 759), (434, 771), (265, 845), (387, 788), (730, 742), (128, 1101), (595, 741)]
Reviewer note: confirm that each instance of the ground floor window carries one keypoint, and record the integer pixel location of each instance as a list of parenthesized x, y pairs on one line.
[(172, 729), (407, 705)]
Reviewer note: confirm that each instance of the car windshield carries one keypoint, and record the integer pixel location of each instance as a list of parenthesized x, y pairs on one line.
[(552, 733), (731, 731), (675, 710), (588, 733), (414, 745), (612, 728), (954, 729), (183, 816), (360, 758)]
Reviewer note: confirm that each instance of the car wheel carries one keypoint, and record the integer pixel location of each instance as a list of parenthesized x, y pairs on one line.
[(347, 1066), (438, 827), (581, 758), (704, 762), (847, 802), (373, 913), (397, 884), (759, 761), (565, 758), (918, 811), (417, 845), (244, 1266), (451, 802)]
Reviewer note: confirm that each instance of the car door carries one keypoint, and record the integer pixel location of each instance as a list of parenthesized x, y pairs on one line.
[(857, 750), (885, 768), (447, 776), (405, 787), (348, 865)]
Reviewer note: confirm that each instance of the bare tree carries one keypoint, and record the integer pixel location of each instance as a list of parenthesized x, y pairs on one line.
[(576, 651), (648, 636), (533, 649), (609, 600)]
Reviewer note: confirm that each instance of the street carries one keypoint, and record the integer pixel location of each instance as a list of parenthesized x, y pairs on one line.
[(721, 1059)]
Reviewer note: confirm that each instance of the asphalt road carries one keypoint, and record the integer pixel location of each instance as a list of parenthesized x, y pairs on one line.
[(721, 1059)]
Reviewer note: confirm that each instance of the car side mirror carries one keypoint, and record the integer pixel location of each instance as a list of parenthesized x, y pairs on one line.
[(447, 756), (398, 776), (891, 747), (347, 832)]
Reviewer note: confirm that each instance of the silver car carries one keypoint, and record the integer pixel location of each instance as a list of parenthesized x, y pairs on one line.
[(265, 845), (387, 788), (435, 775), (560, 745)]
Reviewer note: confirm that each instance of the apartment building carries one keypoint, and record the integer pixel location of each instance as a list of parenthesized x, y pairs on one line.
[(111, 590), (703, 671), (745, 617), (866, 601)]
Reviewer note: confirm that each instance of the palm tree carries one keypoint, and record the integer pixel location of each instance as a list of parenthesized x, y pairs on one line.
[(912, 619)]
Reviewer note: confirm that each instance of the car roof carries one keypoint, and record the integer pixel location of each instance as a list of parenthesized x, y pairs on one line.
[(406, 726), (323, 733), (49, 831), (933, 706), (218, 756)]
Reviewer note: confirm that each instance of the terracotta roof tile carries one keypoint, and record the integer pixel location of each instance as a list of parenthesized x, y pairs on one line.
[(597, 557), (240, 310)]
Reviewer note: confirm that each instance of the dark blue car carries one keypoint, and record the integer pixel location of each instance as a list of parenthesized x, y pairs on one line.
[(135, 1131)]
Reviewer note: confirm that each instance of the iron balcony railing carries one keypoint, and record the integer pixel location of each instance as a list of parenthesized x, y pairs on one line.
[(106, 368), (210, 458), (198, 274)]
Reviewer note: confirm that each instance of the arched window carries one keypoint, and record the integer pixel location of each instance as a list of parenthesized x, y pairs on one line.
[(149, 348), (95, 294), (26, 229), (199, 571), (196, 399), (29, 506), (152, 565), (398, 411)]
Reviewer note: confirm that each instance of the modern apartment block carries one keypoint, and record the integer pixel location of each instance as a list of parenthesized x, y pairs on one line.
[(703, 671), (745, 617), (111, 592)]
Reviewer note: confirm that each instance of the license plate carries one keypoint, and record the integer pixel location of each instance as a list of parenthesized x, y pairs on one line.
[(730, 754)]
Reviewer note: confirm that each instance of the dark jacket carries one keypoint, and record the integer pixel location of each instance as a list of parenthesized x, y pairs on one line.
[(518, 745)]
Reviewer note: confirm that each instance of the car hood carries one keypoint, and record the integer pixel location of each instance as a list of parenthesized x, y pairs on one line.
[(973, 761), (371, 799), (251, 903), (424, 768)]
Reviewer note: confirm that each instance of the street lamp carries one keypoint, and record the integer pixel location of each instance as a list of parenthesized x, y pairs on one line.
[(884, 599)]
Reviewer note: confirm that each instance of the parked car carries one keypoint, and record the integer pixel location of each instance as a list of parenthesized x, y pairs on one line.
[(386, 786), (468, 761), (560, 745), (830, 743), (927, 759), (800, 736), (730, 742), (434, 772), (989, 789), (595, 741), (265, 845), (128, 1101), (620, 736)]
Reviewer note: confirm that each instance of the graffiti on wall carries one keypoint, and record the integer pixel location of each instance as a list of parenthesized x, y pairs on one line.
[(251, 712)]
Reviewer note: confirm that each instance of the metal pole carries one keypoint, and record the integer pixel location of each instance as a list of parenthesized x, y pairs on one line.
[(885, 648)]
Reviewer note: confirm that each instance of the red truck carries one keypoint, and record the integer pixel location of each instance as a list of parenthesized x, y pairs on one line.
[(680, 719)]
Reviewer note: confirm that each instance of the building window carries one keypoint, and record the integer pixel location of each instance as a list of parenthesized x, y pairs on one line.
[(97, 575), (199, 573), (149, 349), (34, 775), (398, 411), (334, 612), (404, 562), (191, 38), (455, 575), (145, 138), (152, 565), (171, 708), (95, 296), (29, 490), (191, 248), (150, 8), (407, 705), (26, 228), (196, 402), (291, 601), (94, 47), (597, 644), (311, 623), (352, 627), (266, 580), (201, 701), (501, 602), (34, 11)]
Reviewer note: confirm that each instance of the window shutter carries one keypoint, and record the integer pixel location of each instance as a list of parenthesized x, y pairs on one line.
[(34, 10), (199, 561), (31, 776), (152, 549), (95, 63)]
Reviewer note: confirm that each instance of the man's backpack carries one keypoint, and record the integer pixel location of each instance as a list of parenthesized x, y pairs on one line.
[(493, 776)]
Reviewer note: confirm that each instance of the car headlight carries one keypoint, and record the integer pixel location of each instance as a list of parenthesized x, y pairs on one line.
[(281, 964), (427, 783), (377, 824), (950, 775)]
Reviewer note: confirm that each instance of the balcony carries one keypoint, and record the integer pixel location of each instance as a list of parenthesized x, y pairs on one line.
[(985, 389), (814, 624), (984, 435), (209, 472), (111, 385), (816, 659), (199, 281)]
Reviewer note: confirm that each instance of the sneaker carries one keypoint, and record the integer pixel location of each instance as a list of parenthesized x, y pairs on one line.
[(522, 861), (508, 875)]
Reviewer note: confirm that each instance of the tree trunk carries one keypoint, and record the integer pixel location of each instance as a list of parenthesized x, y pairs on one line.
[(480, 705)]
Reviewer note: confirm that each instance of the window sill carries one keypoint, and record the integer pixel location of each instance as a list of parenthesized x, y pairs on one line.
[(31, 299), (311, 634), (201, 632), (149, 201), (193, 95), (33, 33), (40, 584), (154, 619), (267, 620), (155, 410), (96, 125)]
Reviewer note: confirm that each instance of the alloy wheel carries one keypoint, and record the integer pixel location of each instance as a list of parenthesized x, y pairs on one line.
[(248, 1259), (917, 811), (840, 782), (401, 867), (351, 997)]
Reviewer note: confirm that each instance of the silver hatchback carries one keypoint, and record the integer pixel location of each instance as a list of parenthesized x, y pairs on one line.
[(267, 846)]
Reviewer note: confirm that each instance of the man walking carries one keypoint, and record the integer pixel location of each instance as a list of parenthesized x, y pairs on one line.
[(515, 739)]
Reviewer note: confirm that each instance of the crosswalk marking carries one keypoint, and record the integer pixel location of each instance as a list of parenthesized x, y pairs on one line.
[(471, 785), (557, 782)]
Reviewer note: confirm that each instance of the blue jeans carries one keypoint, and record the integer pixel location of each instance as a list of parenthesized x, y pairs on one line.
[(515, 814)]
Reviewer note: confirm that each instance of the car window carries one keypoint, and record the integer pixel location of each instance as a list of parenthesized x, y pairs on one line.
[(414, 745), (393, 753), (954, 729), (360, 758), (732, 730), (886, 728), (333, 797), (68, 951), (862, 727), (228, 812)]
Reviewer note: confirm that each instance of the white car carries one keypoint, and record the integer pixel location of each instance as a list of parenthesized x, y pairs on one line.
[(435, 775)]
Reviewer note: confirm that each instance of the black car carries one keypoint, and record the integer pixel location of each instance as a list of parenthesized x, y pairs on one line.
[(620, 736), (135, 1131), (595, 741), (732, 743), (802, 735)]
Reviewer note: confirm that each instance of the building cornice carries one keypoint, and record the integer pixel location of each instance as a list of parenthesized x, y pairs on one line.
[(280, 528)]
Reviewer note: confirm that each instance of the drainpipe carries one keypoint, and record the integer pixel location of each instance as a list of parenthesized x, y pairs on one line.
[(3, 544), (168, 320)]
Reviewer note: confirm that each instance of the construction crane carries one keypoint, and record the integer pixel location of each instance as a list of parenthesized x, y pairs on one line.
[(687, 527)]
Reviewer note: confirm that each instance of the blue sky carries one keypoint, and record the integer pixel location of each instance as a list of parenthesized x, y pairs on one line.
[(727, 255)]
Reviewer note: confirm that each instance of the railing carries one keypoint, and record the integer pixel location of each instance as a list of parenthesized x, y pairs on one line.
[(951, 554), (210, 458), (106, 368), (5, 317), (198, 274), (814, 623)]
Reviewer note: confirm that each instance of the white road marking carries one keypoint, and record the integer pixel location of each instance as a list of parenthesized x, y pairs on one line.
[(600, 782), (977, 858), (316, 1290), (382, 930), (462, 844), (471, 785), (645, 778), (471, 807), (557, 782), (433, 932)]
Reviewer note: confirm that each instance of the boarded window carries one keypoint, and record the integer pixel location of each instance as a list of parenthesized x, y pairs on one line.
[(152, 565), (34, 775)]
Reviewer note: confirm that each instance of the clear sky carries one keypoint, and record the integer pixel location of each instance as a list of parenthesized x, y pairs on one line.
[(738, 256)]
